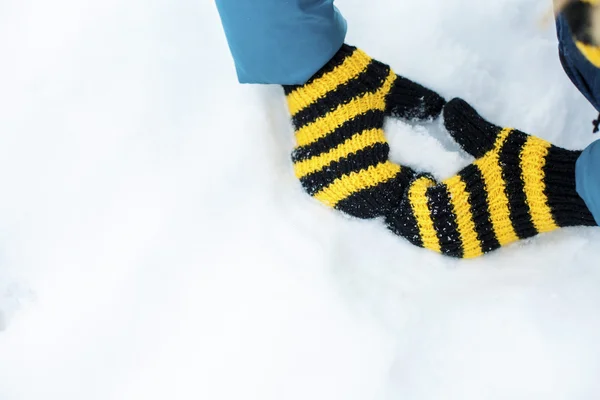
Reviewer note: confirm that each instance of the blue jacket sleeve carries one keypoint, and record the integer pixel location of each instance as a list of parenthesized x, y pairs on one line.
[(281, 41), (587, 173)]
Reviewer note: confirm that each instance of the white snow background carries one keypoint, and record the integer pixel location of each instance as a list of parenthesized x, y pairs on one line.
[(154, 243)]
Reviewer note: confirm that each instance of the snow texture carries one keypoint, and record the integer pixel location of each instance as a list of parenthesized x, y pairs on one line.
[(155, 244)]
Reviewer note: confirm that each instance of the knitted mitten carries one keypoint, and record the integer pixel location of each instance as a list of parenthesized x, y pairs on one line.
[(518, 186), (341, 154), (583, 17)]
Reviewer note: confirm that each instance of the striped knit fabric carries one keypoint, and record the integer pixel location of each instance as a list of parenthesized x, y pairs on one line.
[(341, 154), (583, 17), (518, 186)]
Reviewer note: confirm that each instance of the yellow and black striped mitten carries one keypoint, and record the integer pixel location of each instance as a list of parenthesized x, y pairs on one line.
[(583, 18), (518, 186), (341, 154)]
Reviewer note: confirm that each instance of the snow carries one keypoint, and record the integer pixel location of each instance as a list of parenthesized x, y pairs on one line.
[(155, 243)]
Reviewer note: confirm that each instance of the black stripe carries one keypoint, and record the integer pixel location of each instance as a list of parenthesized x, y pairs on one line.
[(338, 59), (368, 81), (377, 200), (473, 134), (579, 17), (479, 204), (412, 101), (444, 221), (510, 161), (402, 221), (568, 209), (372, 119), (362, 159)]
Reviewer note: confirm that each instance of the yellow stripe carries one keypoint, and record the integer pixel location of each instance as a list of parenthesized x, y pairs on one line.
[(489, 165), (350, 146), (459, 198), (418, 201), (329, 122), (356, 181), (533, 160), (310, 93), (592, 53)]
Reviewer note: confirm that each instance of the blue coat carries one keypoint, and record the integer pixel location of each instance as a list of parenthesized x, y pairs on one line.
[(281, 41), (287, 41)]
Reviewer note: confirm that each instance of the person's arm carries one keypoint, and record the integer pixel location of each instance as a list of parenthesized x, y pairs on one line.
[(281, 41), (587, 174)]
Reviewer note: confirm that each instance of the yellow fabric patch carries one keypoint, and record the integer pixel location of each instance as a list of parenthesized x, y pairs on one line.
[(592, 53), (459, 198), (356, 181), (491, 171), (350, 146), (308, 94), (533, 160), (326, 124), (417, 195)]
